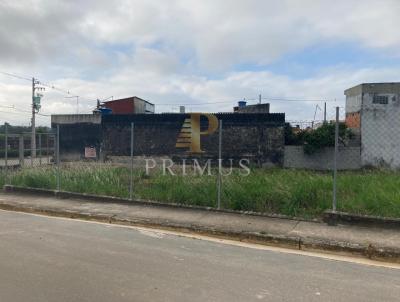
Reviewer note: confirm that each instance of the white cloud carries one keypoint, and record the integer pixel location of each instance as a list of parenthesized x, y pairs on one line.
[(224, 33), (182, 89), (185, 51), (218, 34)]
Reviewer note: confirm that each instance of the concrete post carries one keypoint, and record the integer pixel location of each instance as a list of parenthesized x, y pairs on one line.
[(219, 165), (131, 172), (21, 150), (334, 201), (40, 149), (6, 152), (58, 157), (47, 148)]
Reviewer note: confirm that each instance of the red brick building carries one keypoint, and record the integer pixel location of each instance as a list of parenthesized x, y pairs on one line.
[(129, 105)]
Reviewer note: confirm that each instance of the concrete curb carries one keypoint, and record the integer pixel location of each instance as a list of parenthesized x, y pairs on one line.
[(334, 218), (108, 199), (381, 253)]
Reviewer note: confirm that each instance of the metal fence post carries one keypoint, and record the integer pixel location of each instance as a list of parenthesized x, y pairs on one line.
[(32, 150), (219, 166), (47, 148), (58, 157), (40, 149), (334, 201), (6, 153), (131, 172), (21, 150)]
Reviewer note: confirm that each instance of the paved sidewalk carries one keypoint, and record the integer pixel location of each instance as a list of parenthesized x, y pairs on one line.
[(369, 242)]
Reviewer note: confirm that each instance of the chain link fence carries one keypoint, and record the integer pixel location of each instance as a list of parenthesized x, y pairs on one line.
[(20, 163), (322, 165)]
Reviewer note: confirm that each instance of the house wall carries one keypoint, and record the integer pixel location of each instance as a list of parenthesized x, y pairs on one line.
[(139, 106), (149, 107), (376, 125), (353, 103), (123, 106), (353, 109), (257, 108), (129, 106), (64, 119), (77, 131), (349, 158), (380, 131)]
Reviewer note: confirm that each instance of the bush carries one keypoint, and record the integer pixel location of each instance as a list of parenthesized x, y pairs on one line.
[(316, 139)]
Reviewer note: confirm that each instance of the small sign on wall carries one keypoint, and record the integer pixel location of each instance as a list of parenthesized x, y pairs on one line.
[(90, 152)]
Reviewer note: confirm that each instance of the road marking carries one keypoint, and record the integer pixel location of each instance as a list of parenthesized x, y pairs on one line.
[(151, 233), (160, 233)]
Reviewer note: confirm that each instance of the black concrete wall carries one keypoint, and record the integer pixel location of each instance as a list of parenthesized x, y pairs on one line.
[(259, 137), (75, 137)]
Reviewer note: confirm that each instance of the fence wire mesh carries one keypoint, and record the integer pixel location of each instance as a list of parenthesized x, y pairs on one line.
[(297, 178), (368, 178), (21, 165)]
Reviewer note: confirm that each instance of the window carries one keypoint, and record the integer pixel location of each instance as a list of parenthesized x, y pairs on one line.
[(380, 99)]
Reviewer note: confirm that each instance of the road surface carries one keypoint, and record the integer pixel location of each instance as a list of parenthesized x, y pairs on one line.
[(54, 259)]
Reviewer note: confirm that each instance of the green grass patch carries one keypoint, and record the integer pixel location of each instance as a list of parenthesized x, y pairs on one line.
[(282, 191)]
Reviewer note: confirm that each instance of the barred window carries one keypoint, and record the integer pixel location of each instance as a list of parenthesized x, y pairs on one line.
[(380, 99)]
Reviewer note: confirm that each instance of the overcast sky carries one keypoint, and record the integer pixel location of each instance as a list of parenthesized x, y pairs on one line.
[(206, 54)]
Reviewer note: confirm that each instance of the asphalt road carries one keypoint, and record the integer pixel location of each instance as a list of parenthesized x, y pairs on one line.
[(51, 259)]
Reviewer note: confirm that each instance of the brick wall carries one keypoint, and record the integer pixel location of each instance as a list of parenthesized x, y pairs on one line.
[(353, 120)]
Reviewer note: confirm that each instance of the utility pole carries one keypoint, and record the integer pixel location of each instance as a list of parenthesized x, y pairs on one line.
[(259, 98), (35, 106), (324, 112), (33, 138)]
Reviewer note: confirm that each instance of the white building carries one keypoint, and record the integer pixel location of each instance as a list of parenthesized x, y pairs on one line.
[(373, 112)]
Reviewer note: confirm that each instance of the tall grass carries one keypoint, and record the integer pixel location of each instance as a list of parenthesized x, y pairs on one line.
[(290, 192)]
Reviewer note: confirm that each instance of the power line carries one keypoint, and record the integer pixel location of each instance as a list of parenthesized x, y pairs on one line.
[(291, 100), (13, 107), (20, 110), (30, 79), (10, 112), (39, 82), (248, 99), (195, 104), (54, 87), (16, 76)]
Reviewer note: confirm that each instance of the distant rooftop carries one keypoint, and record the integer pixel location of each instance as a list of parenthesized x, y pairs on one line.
[(384, 87), (132, 98)]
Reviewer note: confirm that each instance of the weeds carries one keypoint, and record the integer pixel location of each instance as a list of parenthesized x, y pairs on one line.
[(290, 192)]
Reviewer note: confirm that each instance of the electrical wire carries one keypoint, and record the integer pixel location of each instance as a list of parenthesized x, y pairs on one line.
[(290, 99), (67, 92), (41, 83), (247, 99), (21, 111), (195, 104), (16, 76)]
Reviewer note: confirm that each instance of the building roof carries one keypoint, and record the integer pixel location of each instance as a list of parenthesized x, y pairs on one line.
[(388, 87), (126, 99)]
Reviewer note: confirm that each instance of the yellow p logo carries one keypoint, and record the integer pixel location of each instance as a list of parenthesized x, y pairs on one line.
[(189, 137)]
